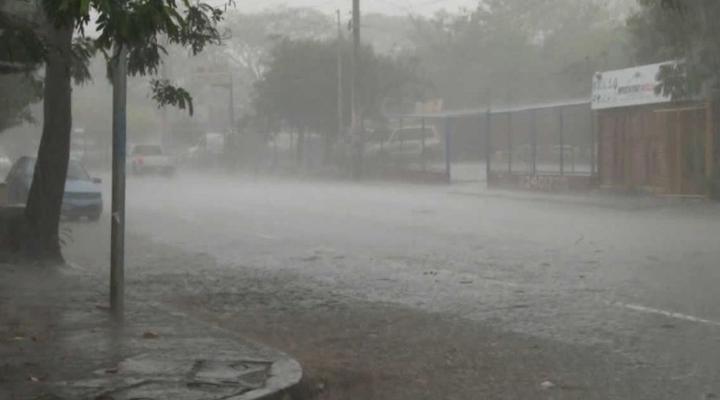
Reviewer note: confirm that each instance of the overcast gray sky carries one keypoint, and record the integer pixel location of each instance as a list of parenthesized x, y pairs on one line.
[(395, 7)]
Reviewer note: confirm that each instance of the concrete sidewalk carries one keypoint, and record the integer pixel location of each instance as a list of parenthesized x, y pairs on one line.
[(57, 341), (596, 198)]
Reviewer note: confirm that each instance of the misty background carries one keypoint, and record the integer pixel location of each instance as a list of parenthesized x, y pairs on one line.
[(464, 53)]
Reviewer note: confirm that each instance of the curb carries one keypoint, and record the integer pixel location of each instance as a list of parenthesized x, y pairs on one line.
[(600, 200), (284, 376)]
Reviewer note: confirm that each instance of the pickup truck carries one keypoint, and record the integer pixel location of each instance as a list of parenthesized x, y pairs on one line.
[(150, 159)]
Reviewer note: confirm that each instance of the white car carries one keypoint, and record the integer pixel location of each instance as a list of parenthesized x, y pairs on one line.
[(151, 159)]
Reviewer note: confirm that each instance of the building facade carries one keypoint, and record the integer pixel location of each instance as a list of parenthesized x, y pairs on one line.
[(647, 141)]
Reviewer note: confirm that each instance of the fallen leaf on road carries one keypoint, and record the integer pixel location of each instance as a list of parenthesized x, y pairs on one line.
[(33, 378), (113, 370), (150, 335), (547, 385)]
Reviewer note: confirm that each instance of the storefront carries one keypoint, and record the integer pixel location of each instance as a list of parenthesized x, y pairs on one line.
[(646, 141)]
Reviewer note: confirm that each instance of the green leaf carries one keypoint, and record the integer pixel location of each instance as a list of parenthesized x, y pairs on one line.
[(164, 93)]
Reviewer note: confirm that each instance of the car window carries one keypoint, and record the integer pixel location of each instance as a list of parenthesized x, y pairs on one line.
[(13, 172), (29, 166), (26, 166), (76, 172)]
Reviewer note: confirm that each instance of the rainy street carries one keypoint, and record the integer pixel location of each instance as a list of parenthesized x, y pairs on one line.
[(374, 286), (360, 200)]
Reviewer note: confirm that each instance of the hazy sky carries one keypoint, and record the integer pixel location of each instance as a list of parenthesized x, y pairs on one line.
[(395, 7)]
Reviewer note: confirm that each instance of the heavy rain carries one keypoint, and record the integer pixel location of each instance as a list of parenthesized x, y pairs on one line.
[(359, 199)]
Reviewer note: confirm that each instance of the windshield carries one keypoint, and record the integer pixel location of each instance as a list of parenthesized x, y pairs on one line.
[(75, 169), (77, 172)]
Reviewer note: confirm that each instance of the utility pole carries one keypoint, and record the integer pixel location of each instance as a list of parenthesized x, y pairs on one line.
[(357, 139), (231, 104), (341, 122), (117, 217), (163, 112)]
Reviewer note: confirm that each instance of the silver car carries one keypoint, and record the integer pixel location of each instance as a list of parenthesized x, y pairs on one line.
[(83, 194)]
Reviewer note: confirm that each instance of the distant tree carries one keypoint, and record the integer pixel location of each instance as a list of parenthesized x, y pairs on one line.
[(683, 30), (19, 58), (518, 51), (248, 41), (57, 37), (299, 85), (388, 34), (252, 36), (19, 91)]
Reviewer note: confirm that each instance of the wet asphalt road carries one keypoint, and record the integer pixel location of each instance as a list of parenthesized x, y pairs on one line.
[(639, 282)]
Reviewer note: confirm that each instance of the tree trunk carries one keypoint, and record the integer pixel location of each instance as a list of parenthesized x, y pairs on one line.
[(46, 192)]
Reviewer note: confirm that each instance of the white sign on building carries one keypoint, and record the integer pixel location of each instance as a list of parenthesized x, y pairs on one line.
[(627, 87)]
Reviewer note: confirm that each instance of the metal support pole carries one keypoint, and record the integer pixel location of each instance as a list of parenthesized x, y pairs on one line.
[(422, 141), (448, 151), (509, 136), (562, 142), (488, 146), (231, 105), (597, 149), (164, 112), (117, 224), (355, 100), (709, 140), (534, 133), (593, 140), (341, 122)]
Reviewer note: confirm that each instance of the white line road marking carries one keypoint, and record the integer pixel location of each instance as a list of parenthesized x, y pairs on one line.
[(669, 314)]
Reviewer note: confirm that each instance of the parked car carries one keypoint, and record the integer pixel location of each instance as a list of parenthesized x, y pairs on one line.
[(151, 159), (83, 194)]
